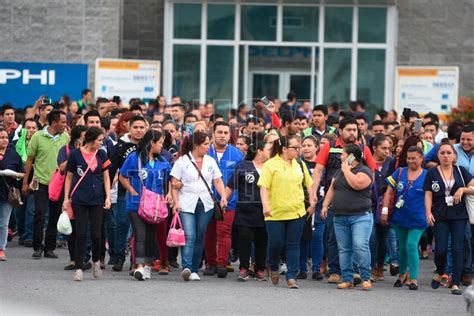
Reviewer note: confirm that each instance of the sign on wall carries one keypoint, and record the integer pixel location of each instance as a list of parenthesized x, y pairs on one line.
[(426, 89), (127, 78), (22, 84)]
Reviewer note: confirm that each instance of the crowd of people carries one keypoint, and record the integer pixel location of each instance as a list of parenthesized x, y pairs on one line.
[(283, 188)]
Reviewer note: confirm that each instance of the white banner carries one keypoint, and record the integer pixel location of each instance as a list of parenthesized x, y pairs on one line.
[(426, 89), (127, 78)]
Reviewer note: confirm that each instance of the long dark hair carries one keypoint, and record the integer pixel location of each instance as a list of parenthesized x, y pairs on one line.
[(283, 141), (190, 142), (76, 134), (92, 134), (376, 141), (411, 141), (143, 148)]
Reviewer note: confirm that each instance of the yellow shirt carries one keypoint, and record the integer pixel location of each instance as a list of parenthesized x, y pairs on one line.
[(284, 183)]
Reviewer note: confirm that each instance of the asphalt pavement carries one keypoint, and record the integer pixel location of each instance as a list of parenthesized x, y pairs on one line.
[(42, 287)]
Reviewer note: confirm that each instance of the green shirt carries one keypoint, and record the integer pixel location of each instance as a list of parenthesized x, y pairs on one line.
[(44, 148)]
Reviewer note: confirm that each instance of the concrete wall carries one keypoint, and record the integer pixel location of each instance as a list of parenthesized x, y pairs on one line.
[(69, 31), (438, 32)]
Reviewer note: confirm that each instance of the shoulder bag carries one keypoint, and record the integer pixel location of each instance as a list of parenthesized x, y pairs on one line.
[(391, 206), (176, 236), (469, 200), (56, 184), (152, 208), (218, 216)]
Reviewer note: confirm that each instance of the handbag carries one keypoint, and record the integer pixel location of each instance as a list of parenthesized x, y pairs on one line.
[(152, 208), (69, 210), (379, 200), (14, 195), (176, 236), (469, 200), (308, 226), (56, 184), (218, 215)]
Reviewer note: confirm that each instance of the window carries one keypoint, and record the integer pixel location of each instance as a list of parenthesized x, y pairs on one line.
[(300, 24), (220, 21), (338, 25), (372, 25), (220, 63), (371, 78), (258, 23), (187, 20), (337, 75), (186, 62)]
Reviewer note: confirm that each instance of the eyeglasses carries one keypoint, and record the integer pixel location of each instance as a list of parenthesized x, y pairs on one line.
[(295, 147)]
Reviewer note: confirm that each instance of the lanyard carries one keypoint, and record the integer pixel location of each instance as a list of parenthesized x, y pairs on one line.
[(447, 188)]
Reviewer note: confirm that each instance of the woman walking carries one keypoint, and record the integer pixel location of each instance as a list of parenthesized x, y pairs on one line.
[(409, 214), (445, 187), (192, 177), (145, 168), (350, 197), (281, 190), (87, 190)]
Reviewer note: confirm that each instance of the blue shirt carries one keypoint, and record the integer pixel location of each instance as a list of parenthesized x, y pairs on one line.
[(155, 176), (413, 213), (229, 160), (464, 159), (432, 155)]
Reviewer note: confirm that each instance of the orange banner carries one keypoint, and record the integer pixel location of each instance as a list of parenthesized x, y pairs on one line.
[(107, 64), (418, 72)]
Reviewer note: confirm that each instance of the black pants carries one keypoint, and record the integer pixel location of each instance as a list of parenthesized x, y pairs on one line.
[(83, 216), (382, 233), (43, 204), (257, 236), (144, 235)]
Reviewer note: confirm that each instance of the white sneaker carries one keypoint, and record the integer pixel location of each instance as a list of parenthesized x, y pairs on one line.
[(147, 272), (96, 271), (78, 275), (283, 269), (139, 274), (194, 277), (185, 274)]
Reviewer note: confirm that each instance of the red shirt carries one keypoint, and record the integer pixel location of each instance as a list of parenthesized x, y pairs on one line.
[(323, 155)]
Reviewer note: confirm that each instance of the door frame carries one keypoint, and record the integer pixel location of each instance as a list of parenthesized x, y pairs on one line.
[(284, 81)]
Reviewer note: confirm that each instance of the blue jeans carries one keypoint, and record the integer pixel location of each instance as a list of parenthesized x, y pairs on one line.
[(392, 246), (315, 247), (194, 226), (332, 245), (122, 226), (353, 235), (442, 230), (5, 212), (24, 218), (467, 251), (285, 234)]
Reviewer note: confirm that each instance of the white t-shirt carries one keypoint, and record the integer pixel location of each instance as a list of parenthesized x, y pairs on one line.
[(193, 186)]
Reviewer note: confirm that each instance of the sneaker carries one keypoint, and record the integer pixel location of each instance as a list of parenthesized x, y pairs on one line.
[(283, 268), (147, 272), (139, 274), (70, 266), (96, 270), (393, 269), (118, 266), (78, 275), (243, 275), (292, 284), (229, 268), (260, 276), (210, 270), (302, 276), (221, 272), (345, 285), (185, 274), (334, 278), (379, 274), (37, 254), (357, 279), (3, 257), (318, 276), (194, 277), (455, 290), (156, 265), (275, 277), (366, 285), (50, 254), (164, 268), (86, 266)]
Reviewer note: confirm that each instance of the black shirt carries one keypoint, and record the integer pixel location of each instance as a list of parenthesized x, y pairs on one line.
[(434, 182), (249, 210)]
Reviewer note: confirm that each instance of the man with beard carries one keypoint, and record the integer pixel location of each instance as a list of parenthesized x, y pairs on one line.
[(328, 162)]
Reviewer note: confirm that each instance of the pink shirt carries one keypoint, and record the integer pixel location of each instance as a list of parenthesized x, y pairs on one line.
[(88, 157)]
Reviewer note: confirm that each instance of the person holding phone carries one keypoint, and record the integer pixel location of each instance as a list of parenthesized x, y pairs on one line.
[(350, 197)]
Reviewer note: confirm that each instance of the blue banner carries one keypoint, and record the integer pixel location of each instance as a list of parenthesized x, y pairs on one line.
[(22, 84)]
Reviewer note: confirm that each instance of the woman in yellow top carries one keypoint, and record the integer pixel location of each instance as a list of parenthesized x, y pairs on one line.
[(281, 189)]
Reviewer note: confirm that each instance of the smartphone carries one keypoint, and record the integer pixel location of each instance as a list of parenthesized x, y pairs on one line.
[(265, 101), (417, 126), (116, 99), (350, 159), (406, 114), (46, 100)]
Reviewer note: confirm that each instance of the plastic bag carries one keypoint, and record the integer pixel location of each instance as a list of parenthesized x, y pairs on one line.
[(64, 224)]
